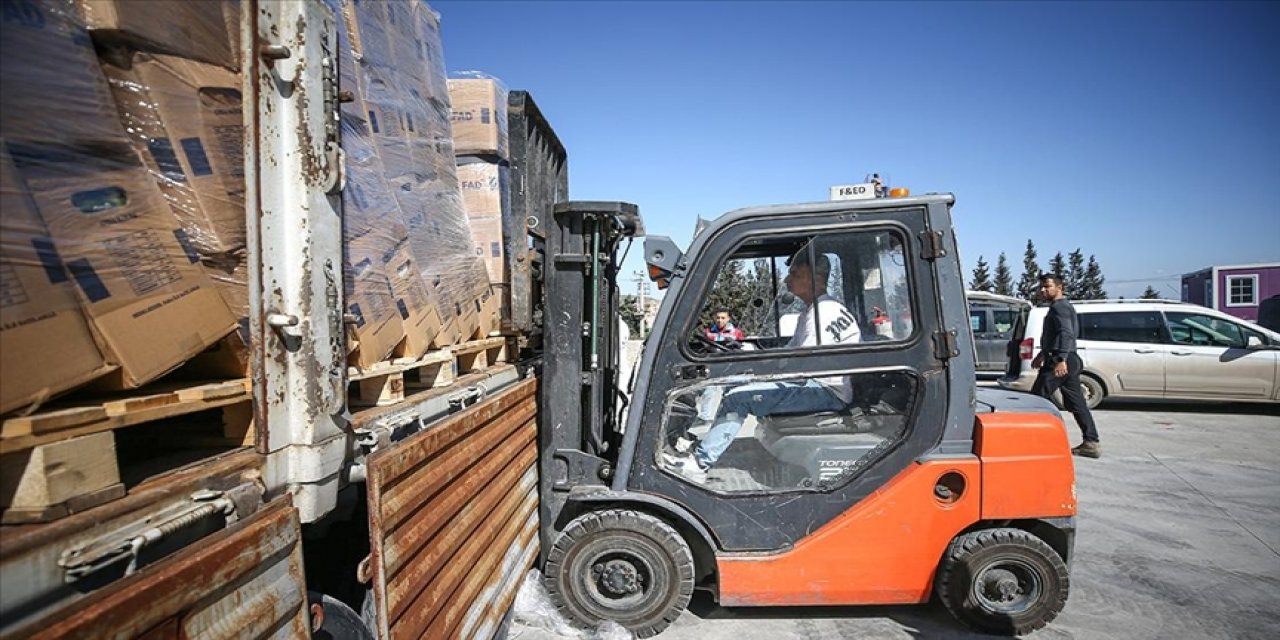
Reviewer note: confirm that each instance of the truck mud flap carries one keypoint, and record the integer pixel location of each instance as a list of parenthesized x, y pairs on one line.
[(246, 581), (453, 520)]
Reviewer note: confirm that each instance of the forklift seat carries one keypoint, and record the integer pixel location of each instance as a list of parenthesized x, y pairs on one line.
[(847, 420)]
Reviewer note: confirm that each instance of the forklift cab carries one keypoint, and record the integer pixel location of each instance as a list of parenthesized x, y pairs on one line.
[(829, 459)]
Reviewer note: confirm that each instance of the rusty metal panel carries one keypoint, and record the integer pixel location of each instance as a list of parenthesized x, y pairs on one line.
[(244, 582), (32, 582), (453, 519)]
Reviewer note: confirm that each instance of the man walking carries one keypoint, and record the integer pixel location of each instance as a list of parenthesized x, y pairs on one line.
[(1059, 364)]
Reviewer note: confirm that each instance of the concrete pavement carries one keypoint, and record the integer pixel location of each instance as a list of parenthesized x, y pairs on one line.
[(1179, 537)]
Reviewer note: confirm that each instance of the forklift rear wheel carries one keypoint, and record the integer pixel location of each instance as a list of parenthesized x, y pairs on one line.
[(1004, 581), (620, 565)]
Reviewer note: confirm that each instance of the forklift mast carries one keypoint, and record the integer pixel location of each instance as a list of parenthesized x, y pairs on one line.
[(579, 429)]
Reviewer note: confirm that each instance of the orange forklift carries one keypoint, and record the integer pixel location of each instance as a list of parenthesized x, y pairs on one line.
[(839, 454)]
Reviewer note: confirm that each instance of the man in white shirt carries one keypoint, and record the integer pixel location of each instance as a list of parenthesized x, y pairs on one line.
[(824, 322)]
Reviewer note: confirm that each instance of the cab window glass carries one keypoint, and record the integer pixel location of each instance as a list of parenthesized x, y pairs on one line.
[(1202, 330), (1121, 326), (784, 450), (807, 292)]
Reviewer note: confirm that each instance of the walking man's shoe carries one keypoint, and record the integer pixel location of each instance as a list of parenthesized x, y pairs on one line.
[(1088, 450)]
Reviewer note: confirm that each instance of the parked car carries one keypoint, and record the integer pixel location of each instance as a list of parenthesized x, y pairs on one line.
[(992, 318), (1156, 349)]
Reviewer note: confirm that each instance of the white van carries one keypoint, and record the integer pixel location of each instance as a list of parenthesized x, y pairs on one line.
[(1157, 349)]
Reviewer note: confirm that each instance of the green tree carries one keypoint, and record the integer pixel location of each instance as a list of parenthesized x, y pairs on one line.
[(981, 276), (629, 310), (1030, 281), (734, 289), (1150, 294), (1077, 289), (1004, 278), (1058, 266), (1093, 281)]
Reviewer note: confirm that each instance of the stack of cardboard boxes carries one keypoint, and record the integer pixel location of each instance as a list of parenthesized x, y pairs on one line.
[(402, 101), (90, 215), (123, 174), (479, 118)]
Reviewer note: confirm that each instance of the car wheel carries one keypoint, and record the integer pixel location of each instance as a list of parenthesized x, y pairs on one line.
[(1093, 391), (620, 565), (1003, 581)]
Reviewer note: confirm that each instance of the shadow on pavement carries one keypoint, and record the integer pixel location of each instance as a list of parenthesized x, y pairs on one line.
[(921, 621), (1174, 406)]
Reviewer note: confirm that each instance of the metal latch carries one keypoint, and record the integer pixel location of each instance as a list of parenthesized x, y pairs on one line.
[(125, 544), (944, 345), (285, 324), (467, 397), (691, 372)]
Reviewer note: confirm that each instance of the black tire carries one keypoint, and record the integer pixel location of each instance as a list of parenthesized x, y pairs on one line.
[(1003, 581), (340, 621), (1093, 391), (620, 565)]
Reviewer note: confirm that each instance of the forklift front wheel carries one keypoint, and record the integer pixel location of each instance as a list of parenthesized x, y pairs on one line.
[(1004, 581), (620, 565)]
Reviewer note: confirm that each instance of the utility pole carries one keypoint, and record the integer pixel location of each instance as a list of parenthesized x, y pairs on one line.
[(642, 289)]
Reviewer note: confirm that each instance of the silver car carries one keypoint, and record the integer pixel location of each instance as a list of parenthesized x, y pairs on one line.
[(992, 318), (1158, 349)]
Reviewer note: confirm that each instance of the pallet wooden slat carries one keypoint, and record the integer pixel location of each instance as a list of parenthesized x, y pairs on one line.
[(51, 421), (17, 434)]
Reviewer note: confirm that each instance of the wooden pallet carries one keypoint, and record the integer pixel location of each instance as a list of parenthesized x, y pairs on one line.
[(478, 355), (386, 382), (87, 416), (389, 382), (54, 480)]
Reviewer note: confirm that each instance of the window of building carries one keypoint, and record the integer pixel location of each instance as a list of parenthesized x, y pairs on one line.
[(1242, 291)]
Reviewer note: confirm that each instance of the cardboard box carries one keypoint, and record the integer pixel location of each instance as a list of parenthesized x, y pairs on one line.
[(151, 305), (44, 338), (423, 329), (479, 117), (371, 301), (230, 356), (485, 198), (54, 90), (186, 121), (206, 30)]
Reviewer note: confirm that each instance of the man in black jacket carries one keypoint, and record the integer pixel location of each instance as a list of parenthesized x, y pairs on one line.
[(1059, 364)]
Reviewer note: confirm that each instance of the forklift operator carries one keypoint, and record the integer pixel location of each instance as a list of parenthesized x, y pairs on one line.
[(838, 326)]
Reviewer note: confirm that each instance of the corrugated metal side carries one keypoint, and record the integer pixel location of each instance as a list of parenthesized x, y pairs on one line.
[(244, 582), (453, 519)]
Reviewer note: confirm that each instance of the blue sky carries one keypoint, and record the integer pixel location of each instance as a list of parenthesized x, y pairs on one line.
[(1145, 133)]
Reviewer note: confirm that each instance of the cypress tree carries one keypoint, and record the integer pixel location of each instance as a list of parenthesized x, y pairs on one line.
[(981, 276), (1093, 281), (1077, 288), (1030, 281), (1004, 278)]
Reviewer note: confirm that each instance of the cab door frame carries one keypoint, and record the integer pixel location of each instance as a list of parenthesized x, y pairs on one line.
[(938, 350)]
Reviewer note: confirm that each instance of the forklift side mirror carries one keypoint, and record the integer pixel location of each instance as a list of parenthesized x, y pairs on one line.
[(663, 258)]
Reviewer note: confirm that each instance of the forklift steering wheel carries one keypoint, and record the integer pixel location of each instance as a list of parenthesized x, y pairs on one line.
[(717, 346)]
